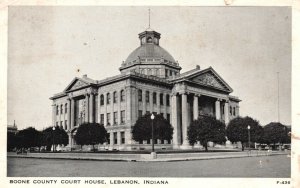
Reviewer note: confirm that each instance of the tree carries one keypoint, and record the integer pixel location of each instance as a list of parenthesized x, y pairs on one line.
[(55, 137), (237, 130), (142, 129), (28, 138), (91, 134), (12, 141), (206, 129), (276, 132)]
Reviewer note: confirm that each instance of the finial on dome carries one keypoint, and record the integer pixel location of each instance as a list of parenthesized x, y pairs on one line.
[(149, 17)]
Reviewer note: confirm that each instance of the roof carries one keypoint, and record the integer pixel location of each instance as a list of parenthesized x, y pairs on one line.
[(149, 51)]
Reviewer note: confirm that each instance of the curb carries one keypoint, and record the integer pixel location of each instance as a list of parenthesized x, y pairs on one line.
[(145, 160)]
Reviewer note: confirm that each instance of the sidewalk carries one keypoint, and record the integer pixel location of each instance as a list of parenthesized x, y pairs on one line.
[(146, 157)]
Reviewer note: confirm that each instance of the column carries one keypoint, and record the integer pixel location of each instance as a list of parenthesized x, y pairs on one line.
[(128, 105), (119, 107), (112, 108), (70, 140), (69, 114), (151, 101), (105, 109), (218, 109), (195, 107), (91, 108), (72, 113), (111, 138), (174, 114), (53, 114), (144, 102), (86, 110), (226, 111), (184, 118), (165, 106), (158, 102)]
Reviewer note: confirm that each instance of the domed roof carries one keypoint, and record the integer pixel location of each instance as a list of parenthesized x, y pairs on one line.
[(149, 50)]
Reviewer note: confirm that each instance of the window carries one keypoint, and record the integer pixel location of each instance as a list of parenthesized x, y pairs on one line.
[(122, 95), (122, 137), (161, 99), (66, 124), (107, 98), (57, 124), (102, 119), (123, 116), (171, 73), (234, 111), (61, 109), (115, 118), (140, 95), (140, 113), (115, 138), (57, 110), (108, 118), (147, 96), (148, 141), (101, 100), (61, 124), (149, 72), (66, 108), (168, 117), (115, 97), (147, 112), (166, 72), (168, 100), (154, 98), (223, 109), (230, 110)]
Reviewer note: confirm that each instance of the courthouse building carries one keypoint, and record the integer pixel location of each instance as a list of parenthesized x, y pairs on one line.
[(150, 81)]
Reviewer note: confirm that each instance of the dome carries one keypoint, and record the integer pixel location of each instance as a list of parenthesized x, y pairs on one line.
[(149, 50)]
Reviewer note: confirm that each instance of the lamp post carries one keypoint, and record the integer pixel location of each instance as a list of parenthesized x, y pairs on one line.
[(153, 154), (249, 136), (53, 138)]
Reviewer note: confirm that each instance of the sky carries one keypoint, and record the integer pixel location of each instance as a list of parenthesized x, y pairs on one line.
[(49, 46)]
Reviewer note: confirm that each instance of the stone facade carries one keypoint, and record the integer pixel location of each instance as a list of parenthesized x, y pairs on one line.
[(150, 82)]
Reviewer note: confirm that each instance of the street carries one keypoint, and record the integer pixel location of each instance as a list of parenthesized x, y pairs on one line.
[(263, 166)]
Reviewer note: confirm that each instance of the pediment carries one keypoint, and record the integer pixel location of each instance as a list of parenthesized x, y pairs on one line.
[(210, 78), (76, 84)]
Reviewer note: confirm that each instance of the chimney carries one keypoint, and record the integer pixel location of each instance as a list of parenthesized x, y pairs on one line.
[(84, 76), (198, 67)]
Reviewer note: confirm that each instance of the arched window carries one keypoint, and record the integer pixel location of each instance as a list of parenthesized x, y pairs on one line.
[(149, 40), (154, 98), (149, 72), (61, 109), (122, 95), (115, 97), (66, 107), (57, 110), (107, 98), (101, 100)]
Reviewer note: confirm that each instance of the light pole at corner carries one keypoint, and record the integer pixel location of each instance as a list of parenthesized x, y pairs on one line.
[(249, 136), (153, 154), (53, 138), (152, 118)]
